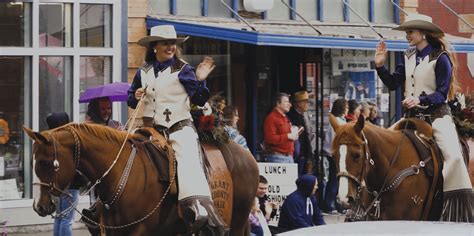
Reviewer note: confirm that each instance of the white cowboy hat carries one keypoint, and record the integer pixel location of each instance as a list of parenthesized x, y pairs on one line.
[(422, 22), (161, 33)]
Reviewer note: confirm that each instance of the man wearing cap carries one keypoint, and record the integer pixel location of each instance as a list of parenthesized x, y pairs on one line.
[(428, 75), (169, 86), (299, 117)]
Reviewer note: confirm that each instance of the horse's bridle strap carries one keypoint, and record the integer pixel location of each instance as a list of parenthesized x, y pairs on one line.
[(52, 187), (348, 175)]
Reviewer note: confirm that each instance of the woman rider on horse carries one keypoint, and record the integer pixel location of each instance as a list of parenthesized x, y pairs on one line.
[(171, 85), (428, 74)]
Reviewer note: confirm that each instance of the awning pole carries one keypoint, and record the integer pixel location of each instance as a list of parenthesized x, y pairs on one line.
[(401, 9), (298, 14), (456, 14), (237, 14), (362, 18)]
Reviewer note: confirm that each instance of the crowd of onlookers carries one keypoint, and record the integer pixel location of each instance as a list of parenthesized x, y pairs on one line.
[(287, 138)]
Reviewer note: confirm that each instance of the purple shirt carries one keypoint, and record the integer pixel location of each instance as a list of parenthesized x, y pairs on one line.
[(195, 89), (443, 71)]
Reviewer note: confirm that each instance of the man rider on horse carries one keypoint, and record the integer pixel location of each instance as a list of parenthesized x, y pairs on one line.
[(428, 74), (169, 86)]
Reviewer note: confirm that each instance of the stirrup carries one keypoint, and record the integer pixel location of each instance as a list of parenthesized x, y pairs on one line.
[(195, 216), (88, 215)]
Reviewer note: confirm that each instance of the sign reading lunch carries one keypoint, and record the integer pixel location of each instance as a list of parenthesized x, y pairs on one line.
[(281, 182)]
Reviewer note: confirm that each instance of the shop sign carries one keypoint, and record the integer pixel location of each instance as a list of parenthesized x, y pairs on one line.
[(281, 182), (340, 64)]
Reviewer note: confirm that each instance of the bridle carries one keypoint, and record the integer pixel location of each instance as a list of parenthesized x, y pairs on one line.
[(363, 213), (52, 185)]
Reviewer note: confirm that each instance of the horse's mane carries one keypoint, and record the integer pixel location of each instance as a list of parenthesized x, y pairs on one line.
[(103, 133), (347, 130)]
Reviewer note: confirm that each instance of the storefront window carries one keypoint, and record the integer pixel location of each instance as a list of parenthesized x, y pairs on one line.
[(55, 25), (15, 24), (54, 82), (15, 112), (351, 74), (96, 25), (95, 71), (194, 51)]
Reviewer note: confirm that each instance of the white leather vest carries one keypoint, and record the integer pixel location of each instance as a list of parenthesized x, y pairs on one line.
[(419, 78), (166, 99)]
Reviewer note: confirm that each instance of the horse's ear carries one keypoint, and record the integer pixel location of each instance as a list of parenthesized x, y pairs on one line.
[(333, 121), (36, 136), (359, 126)]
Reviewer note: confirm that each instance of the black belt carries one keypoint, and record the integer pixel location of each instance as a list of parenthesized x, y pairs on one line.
[(429, 114), (175, 127)]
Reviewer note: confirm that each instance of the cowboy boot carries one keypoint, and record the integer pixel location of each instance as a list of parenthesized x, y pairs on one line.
[(194, 214), (198, 211), (215, 222)]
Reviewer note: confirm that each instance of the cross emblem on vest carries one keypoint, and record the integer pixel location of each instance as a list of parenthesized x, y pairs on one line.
[(167, 113)]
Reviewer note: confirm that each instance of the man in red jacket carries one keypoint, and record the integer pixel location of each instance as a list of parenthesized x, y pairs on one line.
[(277, 132)]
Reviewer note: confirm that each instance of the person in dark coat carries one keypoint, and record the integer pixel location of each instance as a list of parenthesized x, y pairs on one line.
[(300, 208), (304, 148)]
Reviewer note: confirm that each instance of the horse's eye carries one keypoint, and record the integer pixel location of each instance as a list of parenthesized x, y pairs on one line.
[(356, 155), (45, 164)]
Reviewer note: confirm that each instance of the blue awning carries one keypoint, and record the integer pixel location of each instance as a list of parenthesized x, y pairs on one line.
[(295, 33)]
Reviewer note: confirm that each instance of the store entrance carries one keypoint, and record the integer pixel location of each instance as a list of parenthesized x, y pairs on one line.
[(299, 69)]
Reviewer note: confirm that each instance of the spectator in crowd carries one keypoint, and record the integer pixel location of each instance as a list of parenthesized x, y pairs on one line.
[(278, 135), (373, 116), (304, 149), (218, 104), (365, 109), (354, 111), (300, 208), (268, 209), (65, 210), (99, 111), (258, 224), (339, 111), (231, 117)]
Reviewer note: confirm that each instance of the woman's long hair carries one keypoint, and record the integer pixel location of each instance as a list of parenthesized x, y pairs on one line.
[(443, 45)]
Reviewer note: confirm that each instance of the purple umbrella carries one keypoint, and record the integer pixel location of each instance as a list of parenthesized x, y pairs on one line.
[(115, 91)]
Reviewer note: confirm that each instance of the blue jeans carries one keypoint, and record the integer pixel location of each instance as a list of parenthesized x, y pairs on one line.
[(277, 158), (63, 226), (332, 186)]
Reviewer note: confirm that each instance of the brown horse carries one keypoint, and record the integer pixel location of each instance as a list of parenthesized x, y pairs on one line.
[(380, 173), (144, 206)]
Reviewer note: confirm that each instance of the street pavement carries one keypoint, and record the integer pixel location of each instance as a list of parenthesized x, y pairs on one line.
[(80, 230)]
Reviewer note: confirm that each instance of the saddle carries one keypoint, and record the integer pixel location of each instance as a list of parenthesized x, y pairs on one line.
[(155, 145), (420, 134), (215, 168)]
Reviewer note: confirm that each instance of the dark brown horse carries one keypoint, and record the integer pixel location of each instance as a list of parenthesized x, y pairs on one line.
[(381, 174), (144, 207)]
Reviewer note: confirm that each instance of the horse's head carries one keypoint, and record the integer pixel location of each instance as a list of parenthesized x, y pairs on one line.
[(55, 155), (349, 151)]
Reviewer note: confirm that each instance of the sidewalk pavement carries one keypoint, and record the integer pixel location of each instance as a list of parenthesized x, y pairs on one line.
[(80, 230)]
